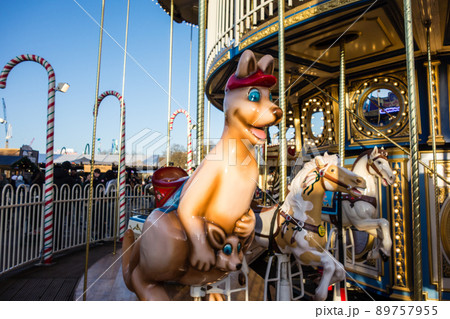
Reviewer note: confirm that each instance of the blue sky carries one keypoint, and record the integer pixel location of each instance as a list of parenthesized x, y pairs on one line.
[(62, 33)]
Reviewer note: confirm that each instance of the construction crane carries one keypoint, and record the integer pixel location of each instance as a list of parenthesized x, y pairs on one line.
[(8, 128)]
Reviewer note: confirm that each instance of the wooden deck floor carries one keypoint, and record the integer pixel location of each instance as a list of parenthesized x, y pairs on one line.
[(47, 283)]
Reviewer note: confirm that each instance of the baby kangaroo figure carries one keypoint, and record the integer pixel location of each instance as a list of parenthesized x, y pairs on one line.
[(219, 193)]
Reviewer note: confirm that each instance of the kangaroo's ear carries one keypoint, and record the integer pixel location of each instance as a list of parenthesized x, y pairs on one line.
[(246, 65), (265, 64), (216, 236)]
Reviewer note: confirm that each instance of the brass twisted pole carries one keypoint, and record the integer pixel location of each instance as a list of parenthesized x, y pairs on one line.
[(282, 102), (435, 178), (414, 146), (170, 84), (120, 187), (201, 78), (91, 182)]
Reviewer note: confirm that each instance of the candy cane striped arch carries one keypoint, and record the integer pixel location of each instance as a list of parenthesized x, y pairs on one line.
[(190, 168), (121, 181), (48, 187)]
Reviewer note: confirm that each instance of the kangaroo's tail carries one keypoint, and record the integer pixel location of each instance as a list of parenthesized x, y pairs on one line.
[(127, 269)]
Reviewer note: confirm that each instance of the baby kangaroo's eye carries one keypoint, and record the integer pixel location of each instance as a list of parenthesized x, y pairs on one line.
[(227, 249), (239, 247), (254, 95)]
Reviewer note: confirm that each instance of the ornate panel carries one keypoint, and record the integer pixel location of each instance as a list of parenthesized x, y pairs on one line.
[(436, 122), (443, 167), (317, 123), (382, 101)]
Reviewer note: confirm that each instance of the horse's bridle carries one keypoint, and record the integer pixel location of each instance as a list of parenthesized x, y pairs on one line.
[(371, 162), (323, 173)]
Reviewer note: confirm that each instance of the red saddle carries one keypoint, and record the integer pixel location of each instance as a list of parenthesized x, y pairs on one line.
[(166, 181)]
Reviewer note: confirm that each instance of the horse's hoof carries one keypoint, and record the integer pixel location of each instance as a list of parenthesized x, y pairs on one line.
[(384, 257)]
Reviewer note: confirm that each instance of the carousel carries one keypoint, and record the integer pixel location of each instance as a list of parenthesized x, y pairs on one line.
[(361, 79), (332, 173)]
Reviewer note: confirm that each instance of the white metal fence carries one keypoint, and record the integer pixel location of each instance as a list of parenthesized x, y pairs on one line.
[(21, 219)]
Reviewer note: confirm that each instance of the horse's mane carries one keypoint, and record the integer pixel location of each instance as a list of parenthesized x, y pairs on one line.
[(366, 152), (294, 199)]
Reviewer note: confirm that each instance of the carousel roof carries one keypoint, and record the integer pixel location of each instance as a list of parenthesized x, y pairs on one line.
[(184, 10)]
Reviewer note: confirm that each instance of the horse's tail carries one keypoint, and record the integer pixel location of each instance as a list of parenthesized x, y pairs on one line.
[(128, 241)]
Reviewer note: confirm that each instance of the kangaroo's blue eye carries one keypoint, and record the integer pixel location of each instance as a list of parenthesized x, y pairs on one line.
[(254, 95), (270, 97), (239, 247), (227, 249)]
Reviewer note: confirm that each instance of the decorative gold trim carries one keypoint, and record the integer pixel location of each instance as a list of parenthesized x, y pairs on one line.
[(360, 89), (221, 61), (445, 225), (401, 297), (399, 211), (445, 191), (448, 83), (436, 123), (364, 284), (293, 16)]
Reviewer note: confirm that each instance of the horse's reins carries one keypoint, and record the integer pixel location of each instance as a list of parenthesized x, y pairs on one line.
[(371, 162)]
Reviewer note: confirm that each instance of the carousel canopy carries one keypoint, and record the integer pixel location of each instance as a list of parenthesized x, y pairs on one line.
[(184, 10)]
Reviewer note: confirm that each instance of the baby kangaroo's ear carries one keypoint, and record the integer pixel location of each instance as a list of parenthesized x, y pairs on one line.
[(246, 65), (216, 236), (265, 64)]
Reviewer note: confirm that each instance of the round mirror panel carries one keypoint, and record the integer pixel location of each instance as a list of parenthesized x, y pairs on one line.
[(381, 107)]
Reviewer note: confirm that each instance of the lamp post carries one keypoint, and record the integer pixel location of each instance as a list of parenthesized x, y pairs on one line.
[(48, 186)]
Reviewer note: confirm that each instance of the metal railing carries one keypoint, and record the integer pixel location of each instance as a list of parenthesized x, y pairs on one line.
[(21, 219), (229, 20)]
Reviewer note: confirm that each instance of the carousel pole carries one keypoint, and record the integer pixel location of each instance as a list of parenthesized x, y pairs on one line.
[(170, 83), (414, 144), (282, 102), (120, 188), (201, 78), (340, 292), (208, 127), (48, 187), (94, 129), (265, 167), (435, 178), (190, 69)]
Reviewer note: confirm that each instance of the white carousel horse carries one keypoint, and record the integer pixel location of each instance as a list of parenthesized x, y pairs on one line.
[(297, 223), (362, 212)]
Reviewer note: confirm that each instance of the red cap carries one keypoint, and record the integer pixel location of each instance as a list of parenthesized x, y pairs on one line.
[(256, 79)]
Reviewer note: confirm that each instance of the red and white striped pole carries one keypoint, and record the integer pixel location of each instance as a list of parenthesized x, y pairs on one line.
[(121, 181), (190, 167), (48, 187)]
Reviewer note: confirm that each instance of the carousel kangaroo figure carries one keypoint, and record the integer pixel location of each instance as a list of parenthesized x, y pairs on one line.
[(178, 245), (362, 212), (299, 229)]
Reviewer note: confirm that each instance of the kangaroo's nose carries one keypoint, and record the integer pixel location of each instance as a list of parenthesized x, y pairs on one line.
[(278, 113), (238, 266)]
